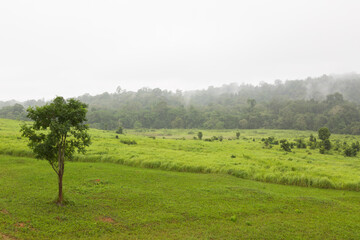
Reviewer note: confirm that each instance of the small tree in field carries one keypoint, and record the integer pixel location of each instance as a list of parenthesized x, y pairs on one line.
[(57, 131), (200, 135), (324, 135)]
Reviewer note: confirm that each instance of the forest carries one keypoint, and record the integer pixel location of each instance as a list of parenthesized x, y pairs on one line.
[(309, 104)]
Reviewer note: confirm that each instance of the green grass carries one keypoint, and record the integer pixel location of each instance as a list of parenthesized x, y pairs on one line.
[(111, 201), (175, 150)]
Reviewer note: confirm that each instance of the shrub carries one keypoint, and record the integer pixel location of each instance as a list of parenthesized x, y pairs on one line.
[(285, 145), (327, 144), (322, 150), (128, 142), (312, 138), (119, 130), (214, 138), (350, 152), (300, 143), (324, 133)]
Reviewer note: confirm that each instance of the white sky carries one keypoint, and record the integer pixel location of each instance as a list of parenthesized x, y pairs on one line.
[(69, 48)]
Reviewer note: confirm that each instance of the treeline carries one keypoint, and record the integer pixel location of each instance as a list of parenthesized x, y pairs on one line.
[(301, 104), (339, 115)]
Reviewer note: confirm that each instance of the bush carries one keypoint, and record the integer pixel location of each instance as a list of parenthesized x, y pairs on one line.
[(324, 133), (200, 135), (327, 144), (300, 143), (214, 138), (128, 142), (322, 150), (119, 130), (285, 145), (350, 152)]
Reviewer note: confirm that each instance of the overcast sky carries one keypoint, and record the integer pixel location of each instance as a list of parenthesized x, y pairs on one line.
[(69, 48)]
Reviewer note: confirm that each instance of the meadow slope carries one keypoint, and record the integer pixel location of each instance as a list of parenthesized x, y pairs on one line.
[(176, 150)]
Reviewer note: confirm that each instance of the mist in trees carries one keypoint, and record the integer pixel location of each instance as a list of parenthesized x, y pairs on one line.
[(307, 104)]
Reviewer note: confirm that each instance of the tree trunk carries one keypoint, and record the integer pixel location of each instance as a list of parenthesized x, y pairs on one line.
[(60, 198), (61, 159)]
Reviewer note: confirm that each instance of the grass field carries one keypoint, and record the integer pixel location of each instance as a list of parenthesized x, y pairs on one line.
[(108, 200), (176, 150), (111, 201)]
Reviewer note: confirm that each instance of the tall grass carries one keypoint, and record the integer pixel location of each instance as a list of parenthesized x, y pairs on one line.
[(243, 158)]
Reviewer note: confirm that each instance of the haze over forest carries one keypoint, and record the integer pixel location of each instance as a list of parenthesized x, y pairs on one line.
[(307, 104)]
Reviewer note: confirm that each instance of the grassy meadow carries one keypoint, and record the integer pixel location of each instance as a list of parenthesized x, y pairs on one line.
[(112, 201), (176, 150), (108, 200)]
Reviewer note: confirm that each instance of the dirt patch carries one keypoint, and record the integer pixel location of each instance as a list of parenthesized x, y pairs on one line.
[(20, 225), (107, 219), (4, 211), (6, 237)]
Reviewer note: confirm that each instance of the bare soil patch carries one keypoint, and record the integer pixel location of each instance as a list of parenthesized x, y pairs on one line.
[(4, 211), (107, 219)]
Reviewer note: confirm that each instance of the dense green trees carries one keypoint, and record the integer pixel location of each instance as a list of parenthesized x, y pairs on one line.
[(300, 104)]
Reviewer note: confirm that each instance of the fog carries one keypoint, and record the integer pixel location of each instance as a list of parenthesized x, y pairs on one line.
[(70, 48)]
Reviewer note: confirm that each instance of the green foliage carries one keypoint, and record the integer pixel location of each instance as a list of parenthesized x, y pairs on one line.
[(285, 145), (237, 135), (128, 142), (119, 130), (58, 126), (300, 143), (351, 151), (327, 144), (322, 149), (154, 108), (200, 135), (57, 131), (312, 138), (324, 133)]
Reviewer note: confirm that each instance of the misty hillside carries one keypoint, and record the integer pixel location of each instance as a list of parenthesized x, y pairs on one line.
[(308, 104)]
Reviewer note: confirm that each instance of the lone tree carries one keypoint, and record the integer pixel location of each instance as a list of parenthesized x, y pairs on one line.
[(200, 135), (57, 131), (324, 135)]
